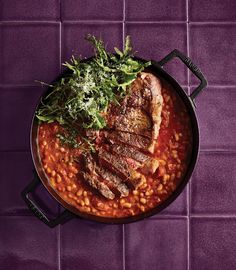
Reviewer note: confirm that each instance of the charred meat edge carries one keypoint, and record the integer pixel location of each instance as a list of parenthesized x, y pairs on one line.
[(120, 167), (114, 179), (94, 182), (145, 101), (113, 182), (131, 139), (154, 84), (93, 179)]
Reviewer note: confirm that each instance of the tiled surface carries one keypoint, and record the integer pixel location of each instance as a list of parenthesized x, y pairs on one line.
[(197, 231), (73, 37), (214, 10), (156, 40), (213, 48), (17, 106), (34, 10), (213, 185), (26, 244), (87, 245), (156, 244), (215, 248), (152, 10), (29, 52), (73, 10), (218, 122)]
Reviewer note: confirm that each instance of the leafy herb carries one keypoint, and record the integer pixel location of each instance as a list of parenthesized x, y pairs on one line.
[(78, 100)]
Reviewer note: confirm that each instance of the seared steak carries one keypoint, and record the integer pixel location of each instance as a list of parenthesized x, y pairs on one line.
[(92, 178), (146, 163), (134, 140), (114, 179), (113, 182), (124, 148), (119, 166), (94, 181), (130, 152), (140, 111)]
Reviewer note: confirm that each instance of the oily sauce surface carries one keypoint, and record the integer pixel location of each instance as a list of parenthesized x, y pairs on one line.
[(173, 150)]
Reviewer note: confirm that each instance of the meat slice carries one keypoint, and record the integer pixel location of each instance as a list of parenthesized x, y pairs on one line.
[(94, 182), (147, 164), (120, 167), (134, 140), (123, 150), (92, 178), (140, 111), (130, 152), (114, 179)]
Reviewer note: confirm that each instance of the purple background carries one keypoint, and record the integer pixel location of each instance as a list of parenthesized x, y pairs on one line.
[(198, 231)]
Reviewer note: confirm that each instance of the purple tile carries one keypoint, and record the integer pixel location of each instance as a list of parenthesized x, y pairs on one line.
[(154, 41), (177, 207), (17, 106), (213, 243), (212, 48), (26, 244), (214, 10), (92, 10), (74, 37), (89, 245), (213, 184), (29, 52), (14, 10), (14, 181), (216, 113), (156, 244), (152, 10)]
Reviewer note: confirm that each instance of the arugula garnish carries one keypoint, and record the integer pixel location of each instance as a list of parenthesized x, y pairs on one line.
[(78, 100)]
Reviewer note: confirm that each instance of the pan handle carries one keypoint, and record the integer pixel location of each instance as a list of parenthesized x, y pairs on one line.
[(62, 218), (188, 62)]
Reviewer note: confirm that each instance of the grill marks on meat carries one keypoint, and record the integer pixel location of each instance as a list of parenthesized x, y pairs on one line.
[(140, 111), (124, 150), (130, 139), (120, 167), (92, 178), (104, 181), (115, 180), (94, 182)]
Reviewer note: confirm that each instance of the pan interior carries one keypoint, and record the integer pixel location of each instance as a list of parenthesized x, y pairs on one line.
[(192, 160)]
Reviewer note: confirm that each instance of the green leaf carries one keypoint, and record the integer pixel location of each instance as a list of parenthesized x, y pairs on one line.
[(77, 100)]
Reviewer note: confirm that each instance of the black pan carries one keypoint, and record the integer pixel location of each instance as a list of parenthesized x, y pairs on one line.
[(71, 211)]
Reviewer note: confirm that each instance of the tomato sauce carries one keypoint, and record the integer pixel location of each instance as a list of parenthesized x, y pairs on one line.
[(173, 150)]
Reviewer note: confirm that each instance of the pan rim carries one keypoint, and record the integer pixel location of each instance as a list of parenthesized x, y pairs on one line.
[(158, 70)]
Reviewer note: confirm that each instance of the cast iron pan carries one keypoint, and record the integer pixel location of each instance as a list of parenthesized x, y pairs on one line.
[(71, 211)]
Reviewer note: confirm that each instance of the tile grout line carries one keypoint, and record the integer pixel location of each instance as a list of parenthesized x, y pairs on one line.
[(206, 216), (118, 21), (60, 55), (188, 188), (123, 24), (123, 226), (203, 150), (191, 85), (59, 246), (123, 246)]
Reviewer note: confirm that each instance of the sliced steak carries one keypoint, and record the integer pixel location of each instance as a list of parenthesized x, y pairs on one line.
[(130, 152), (120, 167), (94, 181), (134, 140), (123, 149), (140, 111), (114, 179)]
